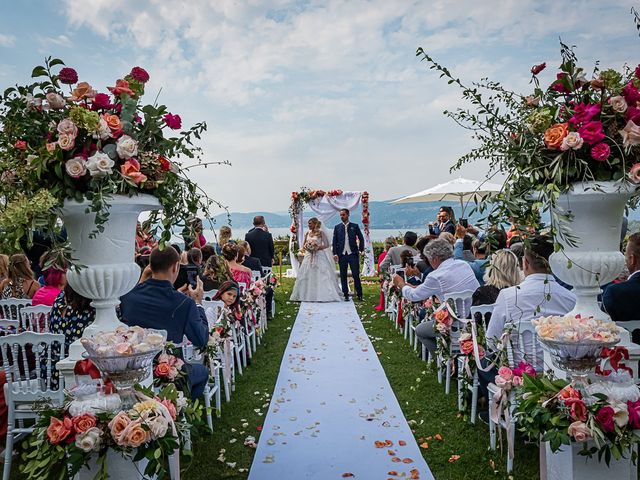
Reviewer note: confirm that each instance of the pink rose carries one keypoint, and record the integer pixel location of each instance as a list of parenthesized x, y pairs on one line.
[(591, 132), (580, 431), (633, 113), (170, 407), (558, 85), (630, 134), (605, 418), (139, 74), (67, 127), (55, 100), (618, 104), (634, 414), (502, 382), (634, 173), (583, 113), (505, 372), (134, 435), (517, 381), (524, 367), (631, 94), (172, 121), (600, 152), (21, 145), (637, 72), (51, 147), (117, 426), (66, 142), (173, 373)]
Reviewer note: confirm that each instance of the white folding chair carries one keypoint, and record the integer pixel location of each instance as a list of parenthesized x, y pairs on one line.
[(522, 333), (25, 387), (209, 294), (255, 275), (213, 388), (461, 303), (239, 347), (266, 271), (10, 307), (480, 315), (212, 308), (35, 319), (243, 287)]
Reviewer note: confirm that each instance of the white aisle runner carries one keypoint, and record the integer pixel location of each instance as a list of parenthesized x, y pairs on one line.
[(331, 403)]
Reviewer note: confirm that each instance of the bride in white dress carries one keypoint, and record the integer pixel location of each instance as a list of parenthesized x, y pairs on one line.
[(317, 280)]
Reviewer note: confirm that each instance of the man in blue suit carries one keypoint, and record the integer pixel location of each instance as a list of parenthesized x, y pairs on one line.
[(620, 300), (347, 252), (156, 304)]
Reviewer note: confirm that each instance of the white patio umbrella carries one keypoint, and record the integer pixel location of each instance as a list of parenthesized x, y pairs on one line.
[(460, 189)]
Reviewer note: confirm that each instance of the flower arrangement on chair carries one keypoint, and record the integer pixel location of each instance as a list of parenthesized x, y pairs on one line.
[(86, 144), (153, 429)]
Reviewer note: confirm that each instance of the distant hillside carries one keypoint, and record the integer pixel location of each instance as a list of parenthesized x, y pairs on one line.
[(383, 215)]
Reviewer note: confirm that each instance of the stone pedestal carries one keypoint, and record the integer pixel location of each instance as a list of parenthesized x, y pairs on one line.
[(567, 465)]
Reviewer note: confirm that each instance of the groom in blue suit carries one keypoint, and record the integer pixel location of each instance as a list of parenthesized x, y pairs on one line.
[(347, 252)]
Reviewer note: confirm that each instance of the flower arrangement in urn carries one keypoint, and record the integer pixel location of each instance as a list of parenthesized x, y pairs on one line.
[(63, 139), (579, 127)]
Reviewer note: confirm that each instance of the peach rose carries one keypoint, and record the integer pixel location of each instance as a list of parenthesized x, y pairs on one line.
[(113, 122), (134, 435), (569, 393), (83, 90), (554, 135), (131, 170), (162, 370), (51, 147), (634, 173), (58, 430), (580, 431), (84, 422), (66, 142), (441, 316), (117, 426)]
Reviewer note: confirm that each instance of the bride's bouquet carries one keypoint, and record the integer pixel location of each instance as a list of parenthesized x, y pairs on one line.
[(311, 245)]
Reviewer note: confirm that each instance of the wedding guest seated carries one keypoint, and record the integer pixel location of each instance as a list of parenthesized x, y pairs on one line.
[(252, 263), (55, 280), (393, 255), (4, 267), (463, 249), (207, 252), (224, 237), (189, 271), (156, 304), (240, 273), (229, 294), (536, 296), (449, 275), (619, 299), (503, 271), (389, 243), (71, 313), (215, 273), (423, 264), (20, 283)]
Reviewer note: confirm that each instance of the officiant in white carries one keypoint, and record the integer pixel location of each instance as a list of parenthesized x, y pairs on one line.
[(317, 280)]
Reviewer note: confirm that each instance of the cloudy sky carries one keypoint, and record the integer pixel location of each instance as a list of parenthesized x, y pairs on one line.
[(324, 94)]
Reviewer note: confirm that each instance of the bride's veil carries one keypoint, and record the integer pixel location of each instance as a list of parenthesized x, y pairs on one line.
[(327, 236)]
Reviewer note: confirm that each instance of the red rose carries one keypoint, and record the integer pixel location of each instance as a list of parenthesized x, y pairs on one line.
[(604, 417), (164, 164), (172, 121), (139, 74), (591, 132), (559, 85), (21, 145), (536, 69), (578, 409), (631, 94), (634, 414), (68, 75), (101, 100)]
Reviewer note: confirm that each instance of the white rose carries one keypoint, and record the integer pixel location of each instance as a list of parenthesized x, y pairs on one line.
[(103, 132), (126, 147), (76, 167), (66, 142), (630, 134), (618, 104), (99, 164), (621, 416), (158, 426), (55, 100), (573, 140), (181, 401), (89, 440)]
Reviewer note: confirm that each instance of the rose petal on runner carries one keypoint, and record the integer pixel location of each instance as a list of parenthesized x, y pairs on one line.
[(407, 460)]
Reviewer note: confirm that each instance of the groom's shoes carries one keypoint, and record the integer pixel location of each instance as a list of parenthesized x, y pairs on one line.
[(359, 298), (346, 298)]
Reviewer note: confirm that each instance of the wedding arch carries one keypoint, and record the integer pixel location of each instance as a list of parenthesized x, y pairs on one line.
[(325, 205)]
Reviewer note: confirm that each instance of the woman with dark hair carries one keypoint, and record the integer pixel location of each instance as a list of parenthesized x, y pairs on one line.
[(55, 280), (70, 315), (20, 283)]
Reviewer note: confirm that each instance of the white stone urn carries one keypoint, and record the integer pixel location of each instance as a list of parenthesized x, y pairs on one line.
[(108, 258), (597, 209), (568, 464)]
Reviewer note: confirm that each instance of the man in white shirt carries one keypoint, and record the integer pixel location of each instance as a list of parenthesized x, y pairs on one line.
[(449, 276), (539, 295)]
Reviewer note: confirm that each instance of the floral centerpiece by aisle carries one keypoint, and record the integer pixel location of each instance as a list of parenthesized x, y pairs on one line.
[(63, 139)]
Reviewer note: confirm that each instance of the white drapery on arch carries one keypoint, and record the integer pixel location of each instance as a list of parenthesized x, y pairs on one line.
[(326, 208)]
